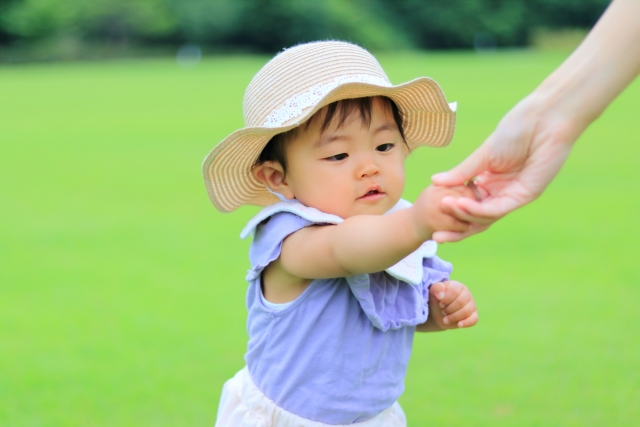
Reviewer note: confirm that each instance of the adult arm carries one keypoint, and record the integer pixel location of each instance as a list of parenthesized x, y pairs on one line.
[(531, 143)]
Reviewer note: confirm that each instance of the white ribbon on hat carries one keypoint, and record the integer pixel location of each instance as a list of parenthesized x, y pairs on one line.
[(294, 105)]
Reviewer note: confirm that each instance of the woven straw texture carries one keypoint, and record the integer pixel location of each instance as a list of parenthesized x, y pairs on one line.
[(315, 67)]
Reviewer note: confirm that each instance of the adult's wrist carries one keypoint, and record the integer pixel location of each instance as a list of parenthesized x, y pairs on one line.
[(550, 114)]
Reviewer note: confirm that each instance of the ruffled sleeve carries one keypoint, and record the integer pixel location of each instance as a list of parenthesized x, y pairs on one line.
[(391, 303), (267, 242)]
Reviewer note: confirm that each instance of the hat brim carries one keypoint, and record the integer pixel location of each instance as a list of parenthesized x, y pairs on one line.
[(429, 120)]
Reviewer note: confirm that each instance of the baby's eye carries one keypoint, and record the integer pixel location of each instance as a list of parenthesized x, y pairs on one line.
[(384, 147), (338, 157)]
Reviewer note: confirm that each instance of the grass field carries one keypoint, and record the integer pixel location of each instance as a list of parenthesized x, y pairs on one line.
[(122, 288)]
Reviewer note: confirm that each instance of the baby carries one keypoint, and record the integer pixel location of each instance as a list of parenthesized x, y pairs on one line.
[(343, 271)]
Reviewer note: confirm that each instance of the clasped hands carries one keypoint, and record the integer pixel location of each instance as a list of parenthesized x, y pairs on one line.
[(438, 204)]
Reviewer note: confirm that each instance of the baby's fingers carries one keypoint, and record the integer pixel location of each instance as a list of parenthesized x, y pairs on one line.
[(453, 289), (445, 222), (449, 236), (455, 236), (438, 290), (450, 207), (469, 321), (466, 316), (464, 296)]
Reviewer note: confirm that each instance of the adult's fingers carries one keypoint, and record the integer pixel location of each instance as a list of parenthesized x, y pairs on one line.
[(450, 207), (456, 236), (487, 211), (473, 165), (457, 225), (449, 236), (484, 212)]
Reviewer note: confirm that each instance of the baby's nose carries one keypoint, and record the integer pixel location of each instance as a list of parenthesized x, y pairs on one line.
[(369, 169)]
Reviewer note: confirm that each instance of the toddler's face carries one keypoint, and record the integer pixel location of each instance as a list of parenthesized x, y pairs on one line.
[(351, 170)]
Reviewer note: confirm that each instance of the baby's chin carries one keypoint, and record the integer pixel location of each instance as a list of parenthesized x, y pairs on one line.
[(354, 208), (371, 209)]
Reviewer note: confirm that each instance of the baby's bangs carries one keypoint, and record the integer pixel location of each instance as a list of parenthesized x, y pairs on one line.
[(345, 108), (340, 110)]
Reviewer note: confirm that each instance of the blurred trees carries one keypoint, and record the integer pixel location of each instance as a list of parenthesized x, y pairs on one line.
[(270, 25)]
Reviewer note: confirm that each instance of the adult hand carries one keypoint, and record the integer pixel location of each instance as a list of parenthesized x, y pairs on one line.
[(531, 143), (511, 168)]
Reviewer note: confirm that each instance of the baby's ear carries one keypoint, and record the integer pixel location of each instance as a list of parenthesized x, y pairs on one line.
[(272, 175)]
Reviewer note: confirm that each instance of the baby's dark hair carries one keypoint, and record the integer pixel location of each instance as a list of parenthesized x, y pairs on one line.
[(342, 109)]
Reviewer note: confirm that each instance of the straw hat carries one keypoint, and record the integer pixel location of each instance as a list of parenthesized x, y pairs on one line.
[(292, 87)]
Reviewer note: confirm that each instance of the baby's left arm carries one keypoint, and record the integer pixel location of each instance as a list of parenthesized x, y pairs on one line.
[(451, 306)]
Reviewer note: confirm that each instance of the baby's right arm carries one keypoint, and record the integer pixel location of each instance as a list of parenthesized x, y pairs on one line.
[(368, 243)]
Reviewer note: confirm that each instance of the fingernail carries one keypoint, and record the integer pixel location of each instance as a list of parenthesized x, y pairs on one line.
[(440, 296), (460, 325), (445, 321), (440, 175), (441, 305)]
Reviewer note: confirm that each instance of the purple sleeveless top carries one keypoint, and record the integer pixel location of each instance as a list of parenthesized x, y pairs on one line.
[(338, 354)]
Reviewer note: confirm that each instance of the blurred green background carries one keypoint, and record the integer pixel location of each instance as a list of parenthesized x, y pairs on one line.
[(69, 29), (122, 288), (122, 296)]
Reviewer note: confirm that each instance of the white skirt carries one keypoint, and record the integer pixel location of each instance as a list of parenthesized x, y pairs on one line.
[(242, 404)]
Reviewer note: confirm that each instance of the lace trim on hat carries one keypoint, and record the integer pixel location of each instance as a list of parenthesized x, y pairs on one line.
[(293, 106)]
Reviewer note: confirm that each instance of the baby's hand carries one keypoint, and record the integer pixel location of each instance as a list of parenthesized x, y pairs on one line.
[(431, 216), (451, 305)]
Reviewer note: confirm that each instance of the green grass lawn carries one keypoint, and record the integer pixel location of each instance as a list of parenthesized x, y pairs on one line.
[(122, 288)]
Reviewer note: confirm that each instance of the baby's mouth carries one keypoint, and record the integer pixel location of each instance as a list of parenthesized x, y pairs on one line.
[(372, 192)]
